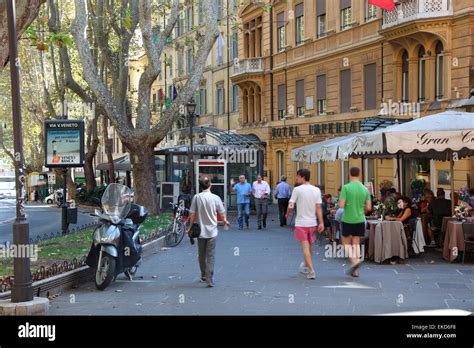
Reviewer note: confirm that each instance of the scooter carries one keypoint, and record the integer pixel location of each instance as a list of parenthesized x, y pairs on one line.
[(116, 244)]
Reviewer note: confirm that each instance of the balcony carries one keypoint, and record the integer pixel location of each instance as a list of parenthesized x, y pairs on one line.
[(248, 66), (411, 10)]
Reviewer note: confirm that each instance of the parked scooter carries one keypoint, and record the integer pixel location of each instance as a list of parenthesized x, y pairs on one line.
[(116, 244)]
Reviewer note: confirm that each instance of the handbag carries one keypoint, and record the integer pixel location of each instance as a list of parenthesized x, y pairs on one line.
[(195, 228)]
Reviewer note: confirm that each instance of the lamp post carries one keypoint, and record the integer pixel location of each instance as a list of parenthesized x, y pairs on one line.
[(191, 108), (22, 290)]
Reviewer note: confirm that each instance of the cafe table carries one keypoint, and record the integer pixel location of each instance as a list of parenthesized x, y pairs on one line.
[(453, 241), (444, 227), (387, 239)]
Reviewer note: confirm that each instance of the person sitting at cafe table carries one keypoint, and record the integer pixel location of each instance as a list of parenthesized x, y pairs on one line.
[(406, 212), (438, 208), (425, 214)]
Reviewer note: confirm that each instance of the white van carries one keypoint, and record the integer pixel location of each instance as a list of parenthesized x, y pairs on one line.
[(7, 187)]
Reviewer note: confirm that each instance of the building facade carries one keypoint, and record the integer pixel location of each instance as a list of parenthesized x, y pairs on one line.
[(309, 70)]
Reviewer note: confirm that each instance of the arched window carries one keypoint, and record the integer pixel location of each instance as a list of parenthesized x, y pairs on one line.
[(421, 74), (280, 164), (439, 71), (405, 77)]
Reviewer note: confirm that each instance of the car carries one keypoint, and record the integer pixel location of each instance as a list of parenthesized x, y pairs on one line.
[(54, 198)]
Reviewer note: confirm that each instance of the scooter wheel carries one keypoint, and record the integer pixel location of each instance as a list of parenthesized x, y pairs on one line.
[(105, 272)]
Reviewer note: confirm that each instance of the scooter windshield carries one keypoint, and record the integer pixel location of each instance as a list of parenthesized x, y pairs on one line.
[(116, 201)]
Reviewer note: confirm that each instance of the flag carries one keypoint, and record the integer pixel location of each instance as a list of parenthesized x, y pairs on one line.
[(161, 97), (175, 92), (167, 103), (388, 5)]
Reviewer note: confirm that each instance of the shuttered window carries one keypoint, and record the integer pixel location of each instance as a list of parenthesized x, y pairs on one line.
[(345, 90), (370, 87)]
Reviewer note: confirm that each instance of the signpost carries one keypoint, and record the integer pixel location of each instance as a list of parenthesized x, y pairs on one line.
[(64, 148)]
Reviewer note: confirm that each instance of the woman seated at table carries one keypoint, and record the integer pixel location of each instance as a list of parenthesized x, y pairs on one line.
[(406, 213)]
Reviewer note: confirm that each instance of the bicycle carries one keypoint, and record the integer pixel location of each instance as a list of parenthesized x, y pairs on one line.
[(177, 231)]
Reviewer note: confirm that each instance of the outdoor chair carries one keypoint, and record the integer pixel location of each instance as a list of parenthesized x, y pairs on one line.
[(468, 232)]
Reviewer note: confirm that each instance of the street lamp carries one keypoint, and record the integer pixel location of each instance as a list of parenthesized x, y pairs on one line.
[(22, 290), (191, 108)]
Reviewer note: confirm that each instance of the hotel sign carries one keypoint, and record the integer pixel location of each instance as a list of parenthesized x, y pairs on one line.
[(284, 132), (335, 128)]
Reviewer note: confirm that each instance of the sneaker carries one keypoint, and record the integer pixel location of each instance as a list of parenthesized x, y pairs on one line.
[(259, 228), (432, 244), (202, 280), (264, 225), (311, 275), (303, 268), (210, 284)]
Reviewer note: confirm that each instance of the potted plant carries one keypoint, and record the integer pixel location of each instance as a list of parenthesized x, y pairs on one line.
[(417, 186)]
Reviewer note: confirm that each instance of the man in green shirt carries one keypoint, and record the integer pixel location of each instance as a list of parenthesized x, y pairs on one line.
[(355, 200)]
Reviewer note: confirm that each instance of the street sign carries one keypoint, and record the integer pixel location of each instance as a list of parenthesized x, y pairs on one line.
[(64, 143), (51, 178), (79, 180)]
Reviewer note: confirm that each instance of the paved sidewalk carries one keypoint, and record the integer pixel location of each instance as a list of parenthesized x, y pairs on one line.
[(257, 273)]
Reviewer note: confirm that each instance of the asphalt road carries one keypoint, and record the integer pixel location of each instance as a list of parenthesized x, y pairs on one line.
[(42, 219)]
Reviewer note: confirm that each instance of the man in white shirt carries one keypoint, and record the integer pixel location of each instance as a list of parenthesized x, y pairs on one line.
[(261, 192), (309, 217), (204, 208)]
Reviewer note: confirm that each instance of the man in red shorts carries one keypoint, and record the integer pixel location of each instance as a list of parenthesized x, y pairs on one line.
[(307, 199)]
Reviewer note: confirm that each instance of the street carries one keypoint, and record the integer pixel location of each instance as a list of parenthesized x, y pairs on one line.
[(257, 273), (43, 219)]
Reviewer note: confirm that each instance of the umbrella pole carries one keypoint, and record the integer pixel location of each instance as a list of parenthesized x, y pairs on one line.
[(451, 170), (363, 169), (399, 178)]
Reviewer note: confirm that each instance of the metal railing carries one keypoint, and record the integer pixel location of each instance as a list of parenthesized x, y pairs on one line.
[(410, 10), (247, 66)]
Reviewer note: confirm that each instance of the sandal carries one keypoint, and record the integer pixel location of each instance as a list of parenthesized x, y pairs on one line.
[(355, 270)]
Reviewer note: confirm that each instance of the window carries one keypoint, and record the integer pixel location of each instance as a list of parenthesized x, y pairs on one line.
[(201, 101), (370, 11), (220, 100), (180, 63), (346, 14), (220, 9), (281, 101), (200, 11), (370, 86), (405, 69), (234, 48), (321, 94), (421, 74), (280, 163), (170, 67), (189, 18), (299, 14), (154, 102), (321, 18), (300, 98), (345, 90), (235, 98), (180, 25), (439, 71), (189, 60), (281, 32)]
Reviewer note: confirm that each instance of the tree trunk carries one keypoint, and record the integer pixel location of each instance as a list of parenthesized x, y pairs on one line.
[(92, 145), (144, 178), (108, 144)]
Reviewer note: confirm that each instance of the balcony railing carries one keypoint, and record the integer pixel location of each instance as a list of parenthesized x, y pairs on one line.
[(248, 66), (410, 10)]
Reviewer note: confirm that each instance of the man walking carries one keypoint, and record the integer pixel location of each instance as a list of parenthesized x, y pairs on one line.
[(261, 191), (204, 208), (356, 201), (243, 190), (283, 194), (308, 201)]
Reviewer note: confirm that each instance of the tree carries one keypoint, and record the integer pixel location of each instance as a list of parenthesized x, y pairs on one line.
[(26, 12), (141, 137)]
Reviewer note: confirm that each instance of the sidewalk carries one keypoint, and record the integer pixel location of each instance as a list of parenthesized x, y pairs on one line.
[(257, 273)]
